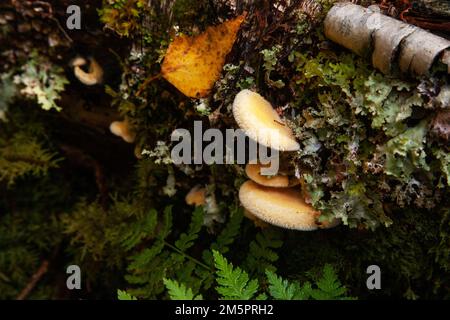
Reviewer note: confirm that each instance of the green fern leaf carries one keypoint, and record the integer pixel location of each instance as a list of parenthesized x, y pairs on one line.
[(179, 291), (261, 255), (282, 289), (279, 288), (23, 154), (186, 240), (304, 292), (234, 283), (123, 295), (261, 297), (139, 230), (229, 233), (145, 256), (329, 286)]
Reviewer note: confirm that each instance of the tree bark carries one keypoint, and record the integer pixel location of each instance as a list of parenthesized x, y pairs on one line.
[(388, 41)]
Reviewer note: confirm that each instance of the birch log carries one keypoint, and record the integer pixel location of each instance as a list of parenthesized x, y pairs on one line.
[(389, 42)]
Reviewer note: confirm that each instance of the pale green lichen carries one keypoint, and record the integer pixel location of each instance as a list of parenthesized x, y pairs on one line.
[(41, 79)]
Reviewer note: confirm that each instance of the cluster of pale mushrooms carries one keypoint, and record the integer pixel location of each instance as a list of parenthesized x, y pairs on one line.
[(272, 199), (276, 199)]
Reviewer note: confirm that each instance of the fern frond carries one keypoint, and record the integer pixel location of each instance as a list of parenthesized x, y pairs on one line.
[(142, 228), (229, 233), (179, 291), (146, 256), (234, 283), (186, 240), (328, 286), (261, 255), (123, 295), (21, 155), (282, 289)]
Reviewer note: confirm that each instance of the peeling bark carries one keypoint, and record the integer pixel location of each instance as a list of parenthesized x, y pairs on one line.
[(390, 43)]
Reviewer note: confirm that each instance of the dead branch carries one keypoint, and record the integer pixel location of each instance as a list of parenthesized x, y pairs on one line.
[(33, 281)]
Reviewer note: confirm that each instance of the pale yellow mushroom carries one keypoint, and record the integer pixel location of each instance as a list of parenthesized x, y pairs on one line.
[(253, 171), (258, 222), (123, 130), (196, 197), (258, 119), (93, 76), (282, 207)]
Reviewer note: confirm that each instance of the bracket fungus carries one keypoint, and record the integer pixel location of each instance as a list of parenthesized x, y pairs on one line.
[(93, 76), (253, 171), (259, 120), (123, 130)]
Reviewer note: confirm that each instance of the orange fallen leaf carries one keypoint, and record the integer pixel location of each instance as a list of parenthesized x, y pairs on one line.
[(193, 64)]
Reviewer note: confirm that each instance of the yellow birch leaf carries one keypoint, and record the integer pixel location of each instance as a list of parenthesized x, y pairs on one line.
[(193, 64)]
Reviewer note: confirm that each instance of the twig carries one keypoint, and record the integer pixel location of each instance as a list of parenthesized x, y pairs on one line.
[(33, 281), (58, 24), (146, 83)]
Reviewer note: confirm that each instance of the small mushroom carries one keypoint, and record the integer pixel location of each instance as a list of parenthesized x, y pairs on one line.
[(281, 207), (196, 197), (93, 76), (123, 130), (253, 171), (256, 116)]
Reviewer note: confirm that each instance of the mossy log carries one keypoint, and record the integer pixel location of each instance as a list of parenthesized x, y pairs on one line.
[(388, 41)]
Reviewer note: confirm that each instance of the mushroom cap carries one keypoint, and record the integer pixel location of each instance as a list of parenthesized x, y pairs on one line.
[(78, 62), (122, 129), (256, 221), (261, 122), (93, 77), (253, 171), (197, 196), (282, 207)]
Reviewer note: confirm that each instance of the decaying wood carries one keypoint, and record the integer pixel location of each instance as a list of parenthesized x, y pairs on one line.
[(388, 41), (419, 50)]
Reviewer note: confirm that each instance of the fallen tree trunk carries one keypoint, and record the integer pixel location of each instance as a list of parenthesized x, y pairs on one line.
[(388, 41)]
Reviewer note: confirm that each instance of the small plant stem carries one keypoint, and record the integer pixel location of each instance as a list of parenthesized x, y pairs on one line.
[(146, 82), (187, 256)]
